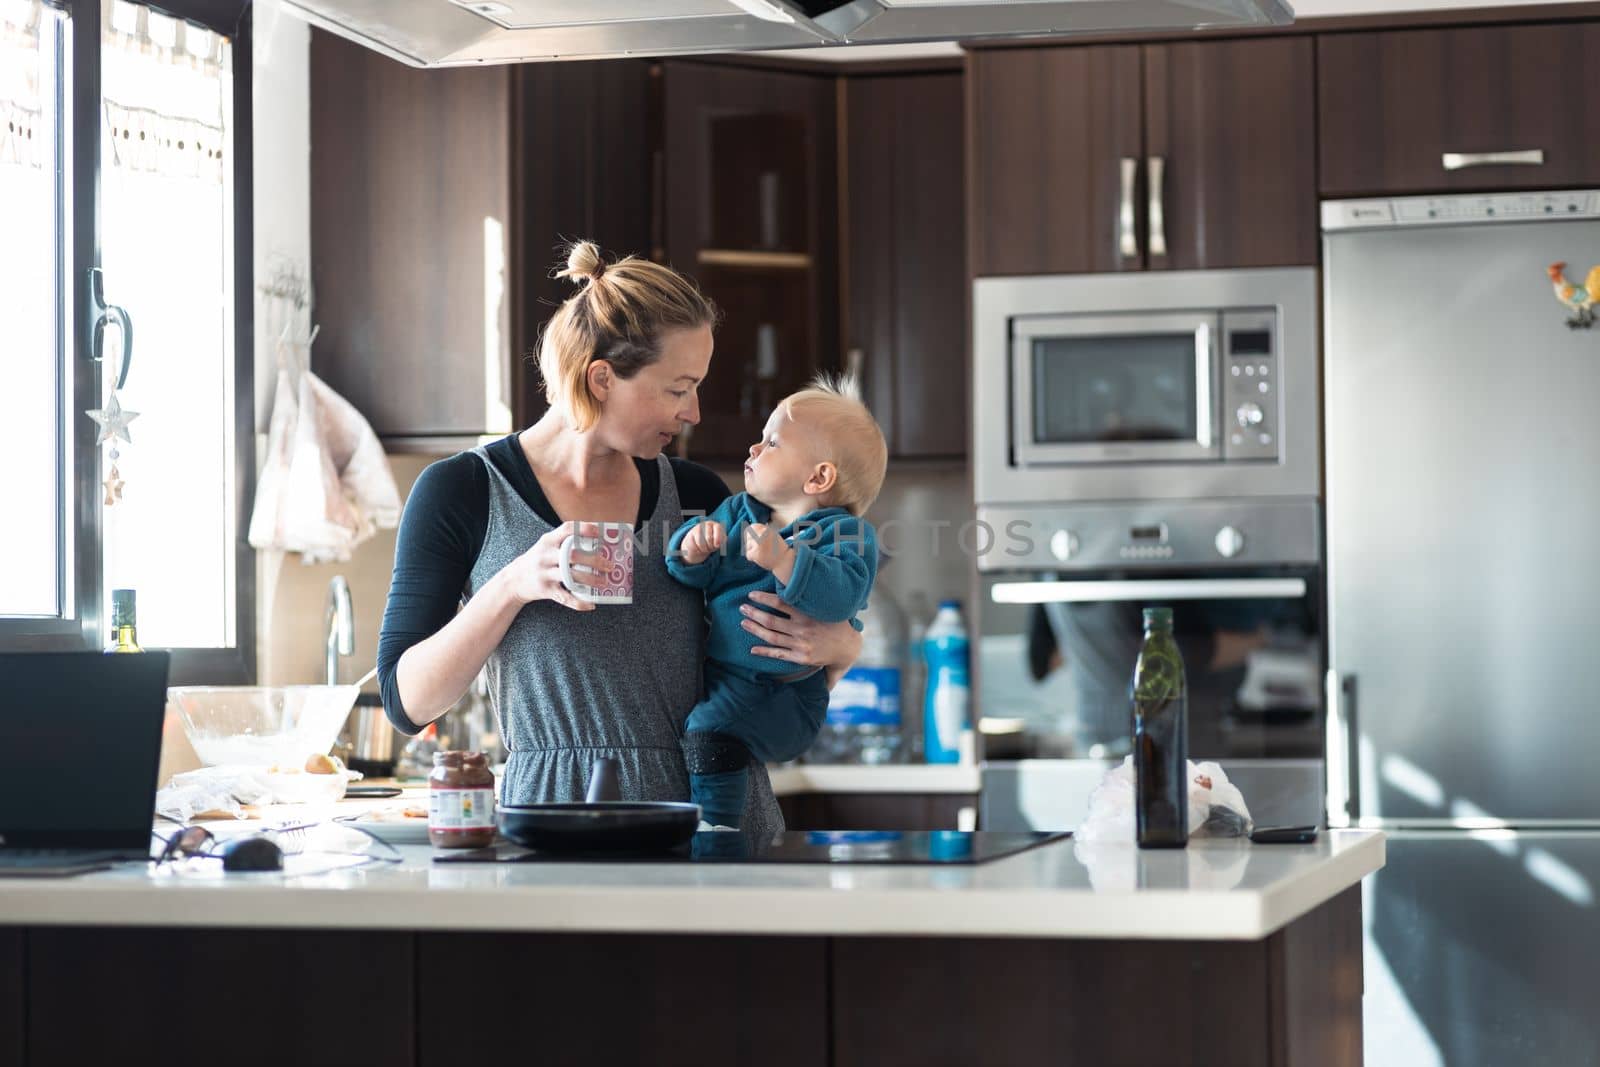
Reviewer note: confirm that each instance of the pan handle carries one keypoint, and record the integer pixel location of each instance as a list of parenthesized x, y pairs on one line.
[(603, 781)]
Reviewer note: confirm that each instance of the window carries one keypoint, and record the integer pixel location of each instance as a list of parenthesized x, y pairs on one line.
[(167, 253), (33, 435), (127, 301)]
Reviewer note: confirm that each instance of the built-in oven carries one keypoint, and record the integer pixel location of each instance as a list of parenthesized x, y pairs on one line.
[(1059, 626), (1166, 385)]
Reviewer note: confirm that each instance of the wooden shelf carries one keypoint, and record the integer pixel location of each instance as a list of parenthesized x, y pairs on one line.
[(730, 257)]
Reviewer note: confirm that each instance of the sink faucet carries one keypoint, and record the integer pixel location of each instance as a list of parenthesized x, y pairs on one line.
[(339, 621)]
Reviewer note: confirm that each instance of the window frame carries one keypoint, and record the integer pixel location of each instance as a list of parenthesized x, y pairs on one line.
[(82, 624)]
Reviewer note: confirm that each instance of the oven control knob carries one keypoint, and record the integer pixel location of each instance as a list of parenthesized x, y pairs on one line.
[(1230, 542), (1249, 414), (1063, 544)]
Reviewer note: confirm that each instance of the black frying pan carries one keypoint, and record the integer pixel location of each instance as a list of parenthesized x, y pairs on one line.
[(601, 823)]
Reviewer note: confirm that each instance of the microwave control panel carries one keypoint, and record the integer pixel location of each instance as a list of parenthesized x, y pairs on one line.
[(1251, 373)]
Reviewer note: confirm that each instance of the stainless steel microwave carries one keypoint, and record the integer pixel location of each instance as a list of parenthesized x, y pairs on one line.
[(1160, 385)]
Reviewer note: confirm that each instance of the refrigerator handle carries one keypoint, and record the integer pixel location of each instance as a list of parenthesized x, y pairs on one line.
[(1344, 751)]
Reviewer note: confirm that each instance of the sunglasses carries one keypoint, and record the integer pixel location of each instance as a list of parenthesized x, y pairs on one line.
[(187, 843)]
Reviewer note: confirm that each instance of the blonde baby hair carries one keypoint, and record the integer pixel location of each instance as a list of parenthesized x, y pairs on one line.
[(848, 436)]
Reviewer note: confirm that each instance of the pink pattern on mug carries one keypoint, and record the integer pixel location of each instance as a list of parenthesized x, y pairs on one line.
[(613, 583)]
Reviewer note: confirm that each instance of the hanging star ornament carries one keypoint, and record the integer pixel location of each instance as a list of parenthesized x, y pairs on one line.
[(113, 421), (113, 483)]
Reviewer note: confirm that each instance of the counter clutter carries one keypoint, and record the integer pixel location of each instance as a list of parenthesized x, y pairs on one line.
[(1214, 890), (1252, 951)]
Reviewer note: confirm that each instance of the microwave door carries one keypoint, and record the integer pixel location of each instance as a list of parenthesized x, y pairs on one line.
[(1115, 389)]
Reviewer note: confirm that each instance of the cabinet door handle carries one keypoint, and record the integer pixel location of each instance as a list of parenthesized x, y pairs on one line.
[(1527, 157), (1158, 217), (1128, 238)]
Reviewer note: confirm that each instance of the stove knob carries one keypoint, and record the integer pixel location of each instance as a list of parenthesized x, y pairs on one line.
[(1063, 544), (1230, 542), (1249, 414)]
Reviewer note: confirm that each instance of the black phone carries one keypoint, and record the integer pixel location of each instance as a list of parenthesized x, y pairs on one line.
[(380, 792), (1284, 835)]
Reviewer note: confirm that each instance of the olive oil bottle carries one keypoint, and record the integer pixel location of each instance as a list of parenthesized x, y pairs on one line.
[(124, 626), (1160, 737)]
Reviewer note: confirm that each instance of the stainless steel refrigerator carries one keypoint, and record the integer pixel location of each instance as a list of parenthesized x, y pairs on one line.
[(1463, 539)]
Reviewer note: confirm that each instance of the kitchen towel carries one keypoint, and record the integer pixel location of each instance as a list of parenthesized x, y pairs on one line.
[(326, 485)]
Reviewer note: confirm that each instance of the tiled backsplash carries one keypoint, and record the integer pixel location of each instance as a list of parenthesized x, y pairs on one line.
[(291, 595)]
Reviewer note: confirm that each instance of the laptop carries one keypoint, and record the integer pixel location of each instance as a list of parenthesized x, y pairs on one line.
[(80, 734)]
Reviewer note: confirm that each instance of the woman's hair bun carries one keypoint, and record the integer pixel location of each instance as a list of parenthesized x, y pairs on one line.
[(583, 261)]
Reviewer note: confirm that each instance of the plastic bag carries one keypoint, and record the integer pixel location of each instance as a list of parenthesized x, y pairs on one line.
[(229, 792), (1216, 807)]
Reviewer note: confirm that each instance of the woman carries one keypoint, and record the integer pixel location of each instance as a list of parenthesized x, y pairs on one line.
[(622, 361)]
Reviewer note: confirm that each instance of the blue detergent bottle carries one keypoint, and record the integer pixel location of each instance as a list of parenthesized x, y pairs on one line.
[(947, 706)]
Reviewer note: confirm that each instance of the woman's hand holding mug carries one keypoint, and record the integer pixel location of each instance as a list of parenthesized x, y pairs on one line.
[(536, 574)]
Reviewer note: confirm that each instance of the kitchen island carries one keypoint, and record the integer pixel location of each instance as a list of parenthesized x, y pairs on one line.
[(1221, 953)]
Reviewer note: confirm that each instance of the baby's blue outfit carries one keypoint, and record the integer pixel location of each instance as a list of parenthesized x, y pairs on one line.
[(836, 560)]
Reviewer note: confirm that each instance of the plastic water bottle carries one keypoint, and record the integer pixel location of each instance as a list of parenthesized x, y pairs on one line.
[(915, 690), (863, 724), (948, 704)]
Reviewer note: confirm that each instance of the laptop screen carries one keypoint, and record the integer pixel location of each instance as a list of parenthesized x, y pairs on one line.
[(81, 733)]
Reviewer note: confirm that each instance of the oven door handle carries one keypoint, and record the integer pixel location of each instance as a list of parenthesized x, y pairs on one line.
[(1092, 592)]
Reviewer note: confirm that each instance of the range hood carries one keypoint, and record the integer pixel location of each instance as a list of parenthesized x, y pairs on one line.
[(445, 33)]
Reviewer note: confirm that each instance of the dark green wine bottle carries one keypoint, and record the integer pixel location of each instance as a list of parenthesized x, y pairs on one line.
[(1160, 737), (124, 622)]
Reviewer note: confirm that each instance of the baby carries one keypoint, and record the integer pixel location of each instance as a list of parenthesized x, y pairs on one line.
[(797, 531)]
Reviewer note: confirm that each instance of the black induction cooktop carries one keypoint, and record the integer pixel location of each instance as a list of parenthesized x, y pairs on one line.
[(940, 847)]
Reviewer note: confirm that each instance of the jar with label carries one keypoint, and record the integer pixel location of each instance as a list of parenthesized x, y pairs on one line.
[(461, 801)]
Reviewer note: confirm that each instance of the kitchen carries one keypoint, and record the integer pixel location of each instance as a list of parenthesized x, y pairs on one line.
[(928, 217)]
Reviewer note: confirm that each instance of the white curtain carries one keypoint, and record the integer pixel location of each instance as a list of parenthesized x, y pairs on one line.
[(167, 253), (31, 431)]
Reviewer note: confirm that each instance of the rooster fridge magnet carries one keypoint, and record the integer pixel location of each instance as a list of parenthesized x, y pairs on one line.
[(1580, 299)]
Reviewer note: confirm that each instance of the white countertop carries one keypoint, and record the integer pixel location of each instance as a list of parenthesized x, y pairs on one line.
[(887, 778), (1214, 890)]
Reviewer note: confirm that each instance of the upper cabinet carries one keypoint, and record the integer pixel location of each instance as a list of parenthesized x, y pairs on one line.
[(410, 209), (904, 282), (1143, 157), (751, 212), (586, 163), (1416, 111)]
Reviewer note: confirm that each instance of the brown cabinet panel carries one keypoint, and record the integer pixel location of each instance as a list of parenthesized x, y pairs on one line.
[(584, 152), (233, 996), (751, 202), (12, 997), (1050, 128), (1233, 124), (875, 811), (1054, 1002), (1391, 104), (623, 999), (410, 197), (906, 276)]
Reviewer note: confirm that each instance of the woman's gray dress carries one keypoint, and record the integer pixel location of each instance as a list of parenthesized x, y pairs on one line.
[(619, 681)]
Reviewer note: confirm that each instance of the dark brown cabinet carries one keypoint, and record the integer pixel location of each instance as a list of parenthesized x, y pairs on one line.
[(875, 811), (751, 203), (904, 281), (439, 202), (410, 208), (586, 164), (1123, 157), (1394, 105)]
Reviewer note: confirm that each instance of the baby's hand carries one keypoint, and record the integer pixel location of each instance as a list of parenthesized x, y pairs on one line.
[(702, 540), (765, 547)]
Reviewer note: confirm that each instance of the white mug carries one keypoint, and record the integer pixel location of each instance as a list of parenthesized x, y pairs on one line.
[(614, 584)]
